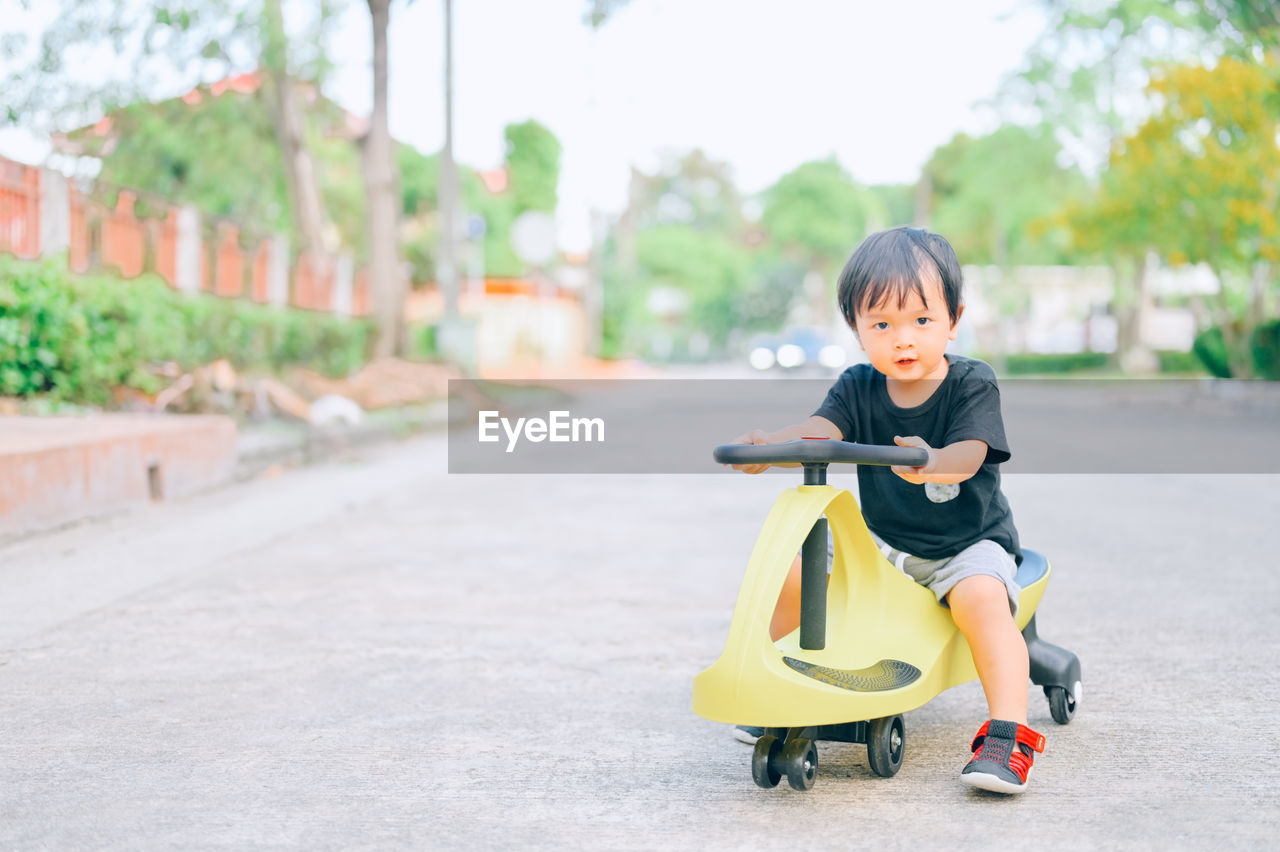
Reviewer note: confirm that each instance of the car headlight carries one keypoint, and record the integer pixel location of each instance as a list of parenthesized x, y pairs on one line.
[(831, 356), (761, 358), (790, 355)]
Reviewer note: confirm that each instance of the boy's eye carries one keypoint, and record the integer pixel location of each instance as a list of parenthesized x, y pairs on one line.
[(880, 326), (923, 320)]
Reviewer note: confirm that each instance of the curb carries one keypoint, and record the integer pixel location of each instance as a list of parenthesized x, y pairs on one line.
[(262, 446), (55, 471)]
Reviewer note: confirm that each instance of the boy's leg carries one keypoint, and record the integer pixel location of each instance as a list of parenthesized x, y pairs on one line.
[(1003, 750), (980, 606), (786, 615)]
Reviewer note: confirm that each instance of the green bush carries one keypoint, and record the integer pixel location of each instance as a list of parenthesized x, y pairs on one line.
[(421, 344), (1211, 348), (1266, 350), (1054, 362), (75, 338), (1179, 362)]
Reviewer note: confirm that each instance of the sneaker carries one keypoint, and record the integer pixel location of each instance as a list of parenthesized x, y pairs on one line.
[(1002, 757), (747, 734)]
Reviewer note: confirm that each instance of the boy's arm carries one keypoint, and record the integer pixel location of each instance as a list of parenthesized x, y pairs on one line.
[(814, 427), (952, 463)]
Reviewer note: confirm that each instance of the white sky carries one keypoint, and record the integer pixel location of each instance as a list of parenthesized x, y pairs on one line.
[(761, 84)]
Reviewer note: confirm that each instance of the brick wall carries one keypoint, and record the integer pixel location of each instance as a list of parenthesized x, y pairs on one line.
[(215, 256)]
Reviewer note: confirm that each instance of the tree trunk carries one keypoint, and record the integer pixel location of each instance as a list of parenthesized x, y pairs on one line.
[(1133, 356), (1239, 358), (305, 200), (1124, 303), (923, 210), (386, 280), (1258, 284)]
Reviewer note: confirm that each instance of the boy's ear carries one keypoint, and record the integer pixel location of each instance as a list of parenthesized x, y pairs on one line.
[(955, 326)]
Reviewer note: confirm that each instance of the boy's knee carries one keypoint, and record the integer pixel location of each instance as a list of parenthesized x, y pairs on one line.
[(978, 593)]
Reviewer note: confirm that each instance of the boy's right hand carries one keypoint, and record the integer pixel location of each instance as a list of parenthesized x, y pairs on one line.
[(755, 436)]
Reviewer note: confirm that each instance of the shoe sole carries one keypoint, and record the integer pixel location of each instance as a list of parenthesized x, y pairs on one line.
[(991, 783), (744, 737)]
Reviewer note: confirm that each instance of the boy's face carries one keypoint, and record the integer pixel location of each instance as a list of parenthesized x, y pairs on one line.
[(908, 343)]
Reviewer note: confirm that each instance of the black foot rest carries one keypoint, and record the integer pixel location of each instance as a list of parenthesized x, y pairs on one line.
[(881, 677)]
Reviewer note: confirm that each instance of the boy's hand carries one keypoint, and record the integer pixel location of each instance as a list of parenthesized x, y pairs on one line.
[(755, 436), (915, 475), (814, 427)]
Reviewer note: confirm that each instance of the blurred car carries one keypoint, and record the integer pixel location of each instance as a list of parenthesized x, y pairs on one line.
[(798, 348)]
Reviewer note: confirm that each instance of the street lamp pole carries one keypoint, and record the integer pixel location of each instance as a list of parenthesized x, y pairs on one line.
[(456, 335), (446, 266)]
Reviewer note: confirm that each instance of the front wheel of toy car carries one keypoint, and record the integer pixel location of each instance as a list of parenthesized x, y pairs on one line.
[(764, 761), (800, 761), (886, 744)]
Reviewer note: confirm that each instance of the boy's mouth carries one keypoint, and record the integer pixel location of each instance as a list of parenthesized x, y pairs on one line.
[(905, 362)]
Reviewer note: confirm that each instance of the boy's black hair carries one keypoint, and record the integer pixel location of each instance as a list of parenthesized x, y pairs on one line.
[(888, 263)]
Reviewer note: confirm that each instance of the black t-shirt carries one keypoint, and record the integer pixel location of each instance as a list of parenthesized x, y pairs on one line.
[(932, 521)]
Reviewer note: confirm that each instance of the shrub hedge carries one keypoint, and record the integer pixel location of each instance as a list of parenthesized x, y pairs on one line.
[(1030, 363), (1179, 362), (1211, 348), (1053, 362), (75, 338)]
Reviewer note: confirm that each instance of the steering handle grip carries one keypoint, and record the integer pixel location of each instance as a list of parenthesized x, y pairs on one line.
[(820, 451)]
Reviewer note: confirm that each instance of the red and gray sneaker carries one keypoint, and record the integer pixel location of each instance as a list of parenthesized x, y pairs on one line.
[(1002, 756)]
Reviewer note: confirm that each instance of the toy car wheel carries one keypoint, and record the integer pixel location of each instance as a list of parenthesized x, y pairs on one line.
[(886, 742), (800, 762), (1062, 704), (764, 761)]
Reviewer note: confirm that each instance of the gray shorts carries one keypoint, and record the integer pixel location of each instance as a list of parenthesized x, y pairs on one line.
[(940, 576)]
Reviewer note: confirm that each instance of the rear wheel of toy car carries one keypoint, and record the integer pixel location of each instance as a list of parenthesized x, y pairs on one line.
[(1062, 704), (886, 743), (800, 762), (764, 761)]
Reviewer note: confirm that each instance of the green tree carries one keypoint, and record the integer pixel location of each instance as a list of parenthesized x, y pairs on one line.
[(898, 201), (687, 189), (1091, 62), (709, 269), (598, 12), (1199, 182), (143, 50), (1241, 27), (219, 154), (1086, 76), (816, 214), (1087, 70), (994, 196), (683, 231), (419, 186), (533, 166)]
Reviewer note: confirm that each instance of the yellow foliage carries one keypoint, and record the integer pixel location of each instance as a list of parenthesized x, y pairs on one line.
[(1198, 181)]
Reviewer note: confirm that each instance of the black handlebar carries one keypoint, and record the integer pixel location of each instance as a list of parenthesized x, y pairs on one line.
[(820, 451)]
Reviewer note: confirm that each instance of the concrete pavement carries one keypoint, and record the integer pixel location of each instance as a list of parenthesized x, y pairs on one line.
[(374, 654)]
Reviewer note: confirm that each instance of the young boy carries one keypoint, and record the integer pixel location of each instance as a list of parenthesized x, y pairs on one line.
[(947, 523)]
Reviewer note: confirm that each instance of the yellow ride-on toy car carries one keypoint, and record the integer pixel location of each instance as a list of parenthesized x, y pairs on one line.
[(872, 643)]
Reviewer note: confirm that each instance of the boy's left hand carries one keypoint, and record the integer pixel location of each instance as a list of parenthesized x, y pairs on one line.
[(915, 475)]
